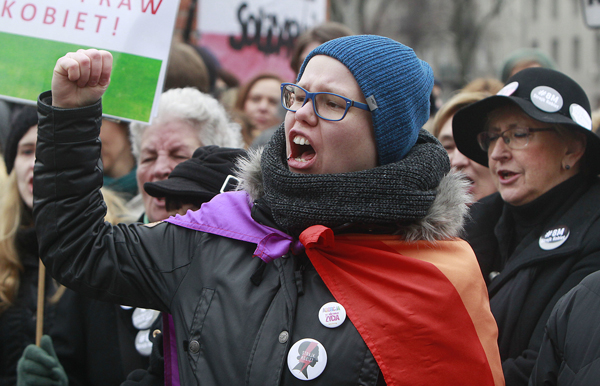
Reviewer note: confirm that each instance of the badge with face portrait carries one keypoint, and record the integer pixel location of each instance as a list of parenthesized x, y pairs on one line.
[(307, 359)]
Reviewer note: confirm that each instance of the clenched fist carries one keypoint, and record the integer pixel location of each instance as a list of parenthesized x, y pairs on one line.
[(81, 78)]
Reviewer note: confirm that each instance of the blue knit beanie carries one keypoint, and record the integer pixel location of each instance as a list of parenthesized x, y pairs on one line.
[(396, 84)]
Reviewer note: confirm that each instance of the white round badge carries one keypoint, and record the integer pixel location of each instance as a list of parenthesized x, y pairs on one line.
[(143, 345), (554, 238), (580, 116), (143, 318), (546, 99), (509, 89), (332, 315), (307, 359)]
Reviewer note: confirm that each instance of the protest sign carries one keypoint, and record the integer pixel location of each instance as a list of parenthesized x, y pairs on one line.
[(255, 36), (35, 33)]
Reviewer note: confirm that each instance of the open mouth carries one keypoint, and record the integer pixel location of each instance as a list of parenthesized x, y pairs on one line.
[(301, 149), (505, 175)]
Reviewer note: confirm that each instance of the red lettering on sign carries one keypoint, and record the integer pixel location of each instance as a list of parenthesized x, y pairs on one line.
[(6, 9), (126, 3), (49, 15), (100, 18), (34, 11), (80, 20), (151, 4)]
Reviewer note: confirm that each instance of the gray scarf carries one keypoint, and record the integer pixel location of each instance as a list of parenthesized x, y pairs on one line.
[(389, 195)]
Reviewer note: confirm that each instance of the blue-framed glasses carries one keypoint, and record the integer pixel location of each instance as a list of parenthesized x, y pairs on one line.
[(327, 105)]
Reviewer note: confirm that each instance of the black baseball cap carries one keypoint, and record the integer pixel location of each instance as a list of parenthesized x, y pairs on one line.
[(208, 173), (545, 95)]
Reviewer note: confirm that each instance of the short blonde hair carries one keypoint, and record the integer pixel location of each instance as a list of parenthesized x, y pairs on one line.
[(451, 107)]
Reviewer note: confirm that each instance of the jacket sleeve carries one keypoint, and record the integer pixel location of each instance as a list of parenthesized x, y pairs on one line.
[(128, 264), (517, 371), (570, 352)]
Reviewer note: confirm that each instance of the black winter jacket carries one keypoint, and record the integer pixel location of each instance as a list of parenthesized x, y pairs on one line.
[(236, 317), (570, 353), (530, 283), (262, 321)]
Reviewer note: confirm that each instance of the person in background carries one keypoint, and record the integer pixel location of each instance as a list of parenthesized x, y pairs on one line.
[(186, 69), (18, 248), (259, 100), (482, 182), (524, 58), (570, 350), (186, 120), (538, 236), (348, 175), (596, 121), (117, 158), (486, 85), (85, 341), (314, 37)]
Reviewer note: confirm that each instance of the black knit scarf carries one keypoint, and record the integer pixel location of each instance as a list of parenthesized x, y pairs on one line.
[(396, 193)]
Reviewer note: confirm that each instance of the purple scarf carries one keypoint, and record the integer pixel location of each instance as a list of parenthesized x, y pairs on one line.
[(228, 215)]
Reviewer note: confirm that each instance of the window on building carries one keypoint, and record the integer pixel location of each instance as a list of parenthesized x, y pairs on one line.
[(575, 7), (555, 9), (576, 53), (534, 9), (555, 50)]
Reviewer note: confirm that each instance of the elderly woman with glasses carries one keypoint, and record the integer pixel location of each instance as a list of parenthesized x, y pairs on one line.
[(538, 236), (337, 262)]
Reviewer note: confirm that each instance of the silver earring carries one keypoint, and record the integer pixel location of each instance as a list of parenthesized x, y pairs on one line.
[(567, 167)]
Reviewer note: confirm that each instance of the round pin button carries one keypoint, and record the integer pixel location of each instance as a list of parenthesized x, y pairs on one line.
[(554, 237), (143, 318), (509, 89), (307, 359), (332, 315), (143, 345)]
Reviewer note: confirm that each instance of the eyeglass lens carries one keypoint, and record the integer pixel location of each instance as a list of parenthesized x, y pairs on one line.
[(515, 138), (327, 106)]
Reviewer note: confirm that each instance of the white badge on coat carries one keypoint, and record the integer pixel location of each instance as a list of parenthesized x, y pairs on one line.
[(554, 237), (307, 359), (332, 315), (142, 342), (143, 318)]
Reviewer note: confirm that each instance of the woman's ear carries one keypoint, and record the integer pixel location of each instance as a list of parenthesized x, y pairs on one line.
[(576, 145)]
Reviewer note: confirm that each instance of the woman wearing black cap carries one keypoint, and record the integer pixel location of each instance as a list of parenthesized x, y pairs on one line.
[(537, 237)]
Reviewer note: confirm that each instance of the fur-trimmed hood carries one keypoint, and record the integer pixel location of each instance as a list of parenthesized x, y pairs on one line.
[(444, 220)]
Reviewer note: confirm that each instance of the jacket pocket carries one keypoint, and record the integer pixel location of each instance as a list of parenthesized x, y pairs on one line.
[(194, 344)]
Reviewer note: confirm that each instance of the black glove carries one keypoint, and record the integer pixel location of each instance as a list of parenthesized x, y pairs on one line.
[(39, 366)]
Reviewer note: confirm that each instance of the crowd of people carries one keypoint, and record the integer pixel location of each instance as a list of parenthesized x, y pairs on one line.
[(345, 227)]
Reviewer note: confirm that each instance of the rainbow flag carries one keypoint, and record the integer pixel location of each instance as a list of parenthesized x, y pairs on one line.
[(422, 308)]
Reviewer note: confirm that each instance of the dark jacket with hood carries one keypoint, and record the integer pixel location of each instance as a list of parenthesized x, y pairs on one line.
[(235, 316)]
